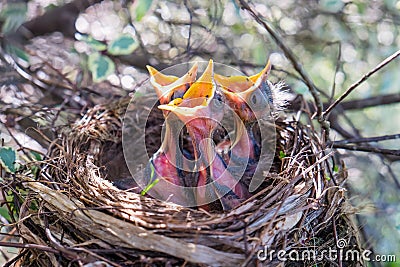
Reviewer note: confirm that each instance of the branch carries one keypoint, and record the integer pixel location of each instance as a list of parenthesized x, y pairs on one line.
[(29, 246), (368, 139), (368, 149), (61, 19), (356, 103), (360, 81), (371, 102), (290, 55), (296, 104)]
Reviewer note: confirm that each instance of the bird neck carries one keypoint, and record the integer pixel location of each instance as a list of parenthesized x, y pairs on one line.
[(200, 132), (244, 144), (169, 145)]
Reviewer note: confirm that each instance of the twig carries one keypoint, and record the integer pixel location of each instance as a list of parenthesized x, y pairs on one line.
[(391, 172), (29, 246), (369, 149), (91, 252), (360, 81), (190, 25), (336, 71), (16, 258), (367, 139), (290, 55), (371, 102)]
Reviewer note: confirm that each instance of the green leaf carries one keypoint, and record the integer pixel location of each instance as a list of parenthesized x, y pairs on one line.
[(17, 52), (138, 94), (10, 197), (14, 14), (282, 154), (34, 168), (93, 43), (36, 155), (100, 66), (8, 156), (123, 45), (362, 7), (238, 28), (152, 184), (336, 168), (5, 214), (50, 7), (34, 206), (392, 264), (21, 54), (140, 8)]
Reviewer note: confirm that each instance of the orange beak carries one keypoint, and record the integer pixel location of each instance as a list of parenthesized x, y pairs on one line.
[(195, 102), (167, 85), (243, 91), (235, 87)]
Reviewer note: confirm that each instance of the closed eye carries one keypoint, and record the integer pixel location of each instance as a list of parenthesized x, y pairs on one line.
[(258, 100), (217, 102)]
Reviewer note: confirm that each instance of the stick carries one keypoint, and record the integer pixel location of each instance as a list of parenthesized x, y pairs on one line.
[(290, 55), (360, 81), (368, 139), (369, 149)]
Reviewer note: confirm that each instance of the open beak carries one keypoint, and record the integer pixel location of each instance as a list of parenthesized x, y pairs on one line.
[(240, 90), (262, 74), (257, 80), (166, 86), (196, 99), (195, 110), (240, 87)]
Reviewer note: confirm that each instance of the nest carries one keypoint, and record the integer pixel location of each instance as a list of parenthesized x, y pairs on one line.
[(82, 218)]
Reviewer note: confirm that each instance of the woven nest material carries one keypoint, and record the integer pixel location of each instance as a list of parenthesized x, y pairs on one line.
[(84, 219)]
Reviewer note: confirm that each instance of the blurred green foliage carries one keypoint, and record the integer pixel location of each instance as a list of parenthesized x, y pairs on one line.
[(13, 15)]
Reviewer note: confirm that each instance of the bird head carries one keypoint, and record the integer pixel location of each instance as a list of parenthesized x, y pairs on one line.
[(201, 107), (249, 96)]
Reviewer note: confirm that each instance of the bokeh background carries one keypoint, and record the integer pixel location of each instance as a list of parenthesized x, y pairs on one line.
[(69, 50)]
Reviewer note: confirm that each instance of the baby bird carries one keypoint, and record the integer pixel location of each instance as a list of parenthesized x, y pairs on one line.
[(201, 109), (251, 99), (166, 174)]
